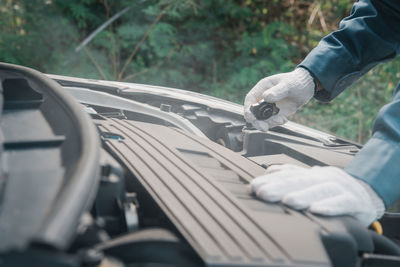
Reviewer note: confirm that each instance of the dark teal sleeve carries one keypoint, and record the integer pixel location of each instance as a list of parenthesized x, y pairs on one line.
[(370, 35), (378, 162)]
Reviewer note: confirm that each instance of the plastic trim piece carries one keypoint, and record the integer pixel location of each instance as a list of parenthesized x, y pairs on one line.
[(78, 192), (107, 100)]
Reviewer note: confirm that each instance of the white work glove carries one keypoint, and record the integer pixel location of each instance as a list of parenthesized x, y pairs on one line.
[(289, 91), (322, 190)]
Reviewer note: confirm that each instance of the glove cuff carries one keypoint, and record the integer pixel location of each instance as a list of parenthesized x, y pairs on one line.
[(304, 78), (376, 201)]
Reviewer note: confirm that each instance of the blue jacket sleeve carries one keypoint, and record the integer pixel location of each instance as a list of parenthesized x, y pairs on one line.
[(378, 162), (370, 35)]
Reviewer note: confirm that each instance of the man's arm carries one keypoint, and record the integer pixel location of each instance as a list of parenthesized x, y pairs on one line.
[(378, 162), (370, 35)]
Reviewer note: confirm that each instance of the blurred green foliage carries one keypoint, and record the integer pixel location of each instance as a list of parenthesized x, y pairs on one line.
[(216, 47)]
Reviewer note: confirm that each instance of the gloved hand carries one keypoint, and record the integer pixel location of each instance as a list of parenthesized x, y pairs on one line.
[(322, 190), (288, 90)]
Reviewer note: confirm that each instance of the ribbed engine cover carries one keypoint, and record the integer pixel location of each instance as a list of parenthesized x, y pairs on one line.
[(202, 188)]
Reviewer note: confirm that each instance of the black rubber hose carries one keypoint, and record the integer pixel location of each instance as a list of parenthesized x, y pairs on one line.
[(384, 245), (150, 246)]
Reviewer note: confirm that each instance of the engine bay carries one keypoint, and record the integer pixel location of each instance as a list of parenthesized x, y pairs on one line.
[(137, 175)]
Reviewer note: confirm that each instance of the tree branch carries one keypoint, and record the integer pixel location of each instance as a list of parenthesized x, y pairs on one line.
[(113, 57), (313, 13), (150, 68), (95, 63), (322, 20), (131, 56)]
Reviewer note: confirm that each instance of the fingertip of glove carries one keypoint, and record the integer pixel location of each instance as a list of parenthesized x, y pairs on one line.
[(258, 182), (249, 116), (261, 125), (249, 99), (277, 120), (255, 184), (267, 195)]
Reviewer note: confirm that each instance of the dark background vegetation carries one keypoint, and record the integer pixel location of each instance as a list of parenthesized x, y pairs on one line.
[(217, 47)]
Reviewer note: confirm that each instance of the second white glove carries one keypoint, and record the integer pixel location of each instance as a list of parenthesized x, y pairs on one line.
[(288, 90), (322, 190)]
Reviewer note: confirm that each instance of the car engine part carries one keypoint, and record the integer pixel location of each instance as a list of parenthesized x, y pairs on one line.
[(138, 175)]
